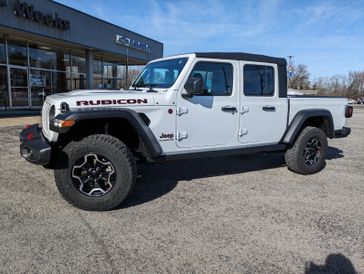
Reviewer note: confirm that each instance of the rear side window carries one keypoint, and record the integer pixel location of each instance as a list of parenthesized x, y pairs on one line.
[(258, 80), (217, 78)]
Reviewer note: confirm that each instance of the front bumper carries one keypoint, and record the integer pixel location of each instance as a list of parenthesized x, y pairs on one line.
[(342, 133), (34, 148)]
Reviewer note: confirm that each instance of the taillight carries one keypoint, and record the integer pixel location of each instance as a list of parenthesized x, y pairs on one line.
[(348, 111)]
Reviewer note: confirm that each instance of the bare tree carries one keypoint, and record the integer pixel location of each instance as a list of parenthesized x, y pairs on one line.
[(351, 86), (356, 84), (133, 73), (337, 85), (299, 77)]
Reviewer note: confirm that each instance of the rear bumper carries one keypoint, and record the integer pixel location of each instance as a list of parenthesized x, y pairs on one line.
[(341, 133), (34, 148)]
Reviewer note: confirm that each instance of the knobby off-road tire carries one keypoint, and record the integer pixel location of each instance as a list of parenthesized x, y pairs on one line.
[(94, 157), (308, 153)]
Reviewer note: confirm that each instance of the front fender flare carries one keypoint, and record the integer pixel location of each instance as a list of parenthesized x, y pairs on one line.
[(129, 115)]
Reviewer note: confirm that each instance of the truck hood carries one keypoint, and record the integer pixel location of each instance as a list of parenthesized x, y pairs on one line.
[(80, 99)]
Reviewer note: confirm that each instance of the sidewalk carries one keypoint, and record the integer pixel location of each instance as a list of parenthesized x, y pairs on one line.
[(19, 121), (9, 118)]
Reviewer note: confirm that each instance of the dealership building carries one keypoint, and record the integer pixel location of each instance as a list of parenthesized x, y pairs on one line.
[(46, 48)]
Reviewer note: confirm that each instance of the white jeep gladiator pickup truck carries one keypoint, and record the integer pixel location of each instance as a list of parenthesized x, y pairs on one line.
[(191, 105)]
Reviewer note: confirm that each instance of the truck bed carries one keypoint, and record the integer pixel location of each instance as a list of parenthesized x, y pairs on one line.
[(336, 106)]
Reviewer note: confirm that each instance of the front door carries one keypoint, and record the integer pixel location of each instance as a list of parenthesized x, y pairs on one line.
[(19, 87), (210, 119), (263, 114), (4, 98), (40, 86)]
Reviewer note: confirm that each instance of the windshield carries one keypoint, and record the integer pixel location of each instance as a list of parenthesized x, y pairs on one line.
[(161, 74)]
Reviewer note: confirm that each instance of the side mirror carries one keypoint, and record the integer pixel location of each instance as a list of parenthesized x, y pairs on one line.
[(194, 86)]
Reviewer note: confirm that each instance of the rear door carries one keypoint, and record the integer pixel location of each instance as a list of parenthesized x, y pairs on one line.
[(210, 119), (263, 114)]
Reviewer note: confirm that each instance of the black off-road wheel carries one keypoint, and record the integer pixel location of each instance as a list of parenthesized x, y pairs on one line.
[(98, 175), (307, 155)]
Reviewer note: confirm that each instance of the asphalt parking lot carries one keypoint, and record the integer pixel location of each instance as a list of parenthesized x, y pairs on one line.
[(234, 214)]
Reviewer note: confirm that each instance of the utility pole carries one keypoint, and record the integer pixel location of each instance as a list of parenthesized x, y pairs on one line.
[(127, 69), (290, 69)]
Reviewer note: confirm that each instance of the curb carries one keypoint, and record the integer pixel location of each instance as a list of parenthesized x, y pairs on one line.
[(19, 121)]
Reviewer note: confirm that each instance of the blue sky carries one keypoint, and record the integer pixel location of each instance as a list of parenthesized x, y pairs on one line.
[(327, 36)]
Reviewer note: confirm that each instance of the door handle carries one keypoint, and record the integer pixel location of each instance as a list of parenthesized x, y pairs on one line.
[(229, 109), (269, 108)]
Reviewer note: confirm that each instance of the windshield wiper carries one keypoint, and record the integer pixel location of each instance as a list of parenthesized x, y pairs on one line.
[(135, 86), (151, 87), (139, 83)]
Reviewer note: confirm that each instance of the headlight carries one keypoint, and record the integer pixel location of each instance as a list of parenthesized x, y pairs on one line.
[(63, 123), (57, 122), (52, 114)]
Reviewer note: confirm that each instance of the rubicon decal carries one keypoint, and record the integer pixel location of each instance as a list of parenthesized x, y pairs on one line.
[(111, 102)]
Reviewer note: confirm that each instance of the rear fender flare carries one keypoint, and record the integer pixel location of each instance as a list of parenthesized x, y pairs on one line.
[(295, 128)]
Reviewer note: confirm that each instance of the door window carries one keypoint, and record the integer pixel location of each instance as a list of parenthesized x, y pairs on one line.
[(258, 80), (217, 78)]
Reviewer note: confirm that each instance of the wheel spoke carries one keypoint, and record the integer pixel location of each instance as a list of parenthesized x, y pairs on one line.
[(312, 152), (93, 175)]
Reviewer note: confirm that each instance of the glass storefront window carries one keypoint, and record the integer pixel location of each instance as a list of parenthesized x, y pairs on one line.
[(64, 64), (121, 83), (17, 50), (109, 83), (114, 83), (110, 70), (43, 56), (113, 70), (133, 73), (2, 51), (97, 67), (78, 62), (60, 82), (79, 81), (4, 100), (114, 76), (97, 83), (40, 85), (37, 70), (45, 82), (121, 71)]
